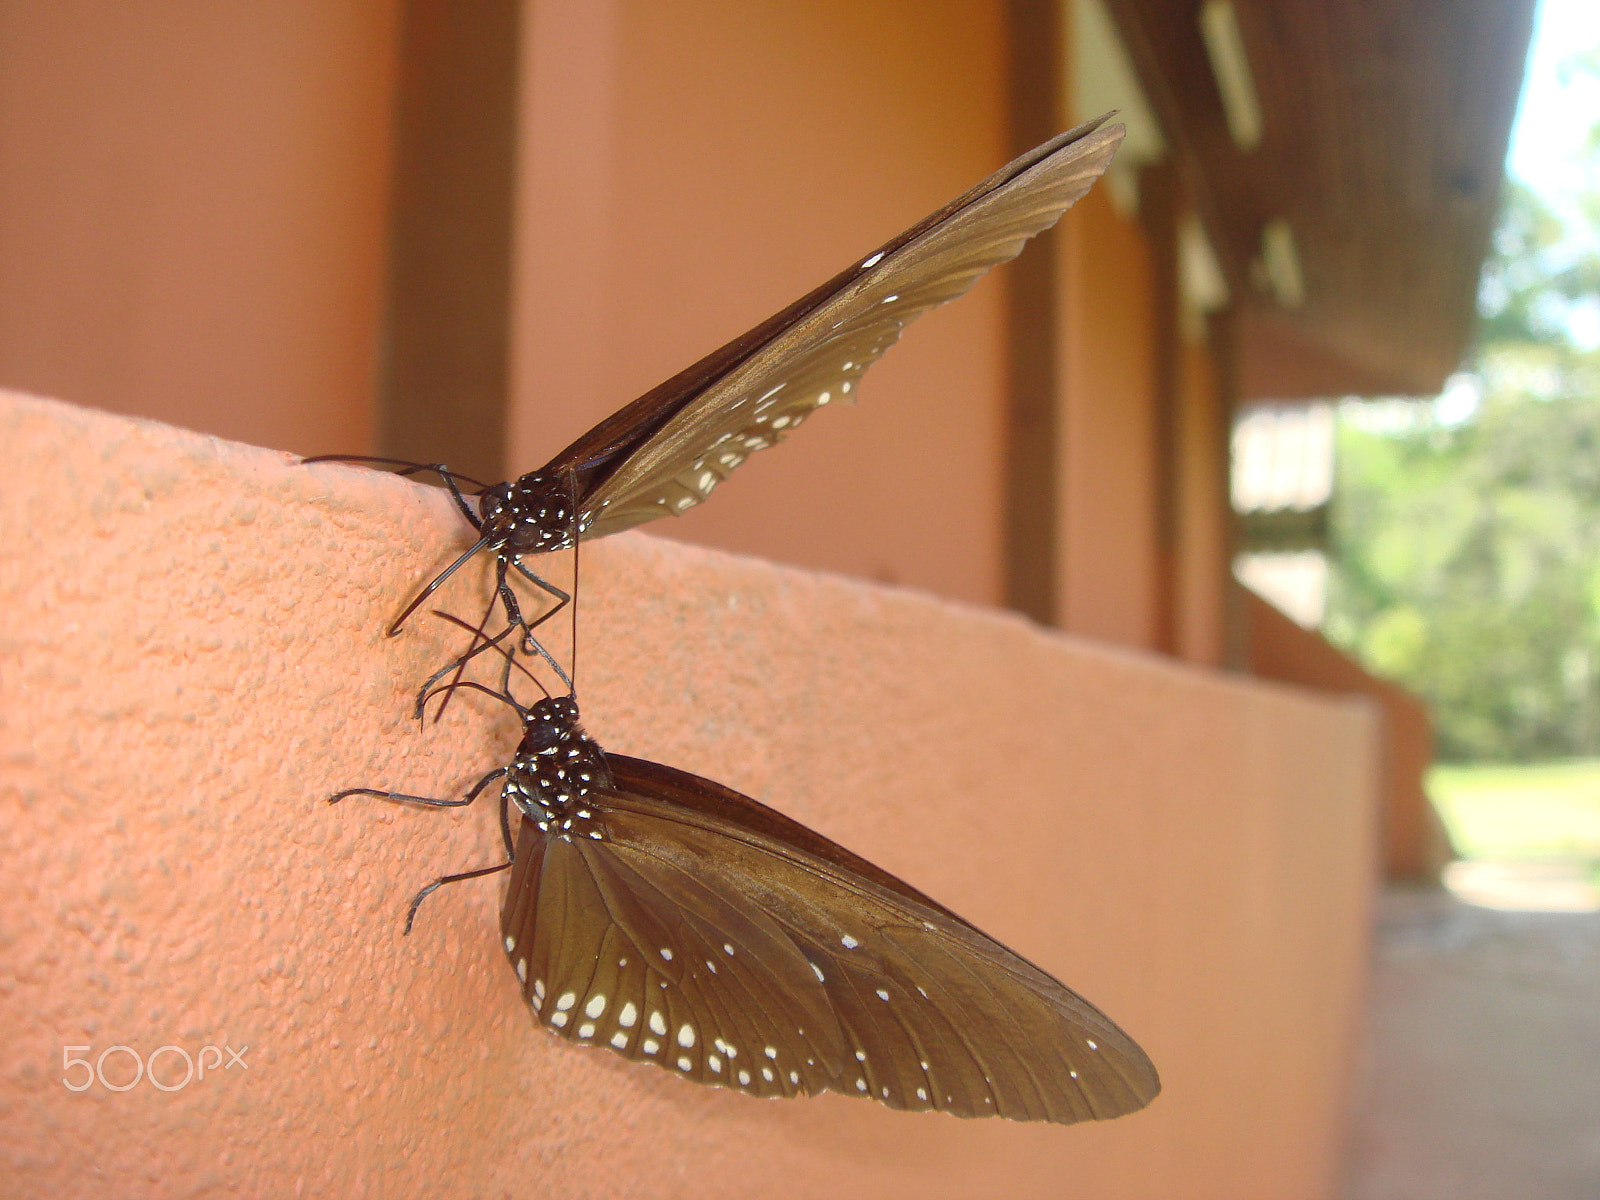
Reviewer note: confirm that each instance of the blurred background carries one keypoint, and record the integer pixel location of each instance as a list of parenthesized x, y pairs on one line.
[(1305, 390)]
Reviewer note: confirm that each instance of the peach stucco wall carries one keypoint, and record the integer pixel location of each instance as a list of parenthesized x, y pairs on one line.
[(192, 207), (193, 658), (1416, 844)]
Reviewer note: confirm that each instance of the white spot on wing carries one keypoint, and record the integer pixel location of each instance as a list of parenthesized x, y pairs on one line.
[(619, 1040), (596, 1005), (848, 942), (686, 1036), (628, 1015), (567, 1000), (658, 1024), (873, 261)]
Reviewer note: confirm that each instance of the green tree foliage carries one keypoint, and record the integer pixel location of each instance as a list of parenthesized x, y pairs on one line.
[(1468, 558), (1469, 568)]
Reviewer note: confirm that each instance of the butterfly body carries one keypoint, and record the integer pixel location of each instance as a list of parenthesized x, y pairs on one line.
[(556, 767), (529, 515)]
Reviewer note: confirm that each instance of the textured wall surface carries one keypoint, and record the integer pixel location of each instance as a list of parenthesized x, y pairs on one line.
[(192, 210), (192, 658)]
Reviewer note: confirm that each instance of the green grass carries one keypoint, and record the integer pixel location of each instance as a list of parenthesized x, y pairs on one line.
[(1495, 811)]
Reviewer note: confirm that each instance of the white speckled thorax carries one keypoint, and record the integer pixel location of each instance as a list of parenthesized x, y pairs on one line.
[(530, 515), (556, 767)]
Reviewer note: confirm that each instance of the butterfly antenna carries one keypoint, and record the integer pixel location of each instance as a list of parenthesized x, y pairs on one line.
[(438, 579), (479, 634), (510, 656), (577, 540), (427, 688), (411, 468), (428, 691)]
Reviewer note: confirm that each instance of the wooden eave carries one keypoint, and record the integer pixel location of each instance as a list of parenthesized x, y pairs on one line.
[(1385, 129)]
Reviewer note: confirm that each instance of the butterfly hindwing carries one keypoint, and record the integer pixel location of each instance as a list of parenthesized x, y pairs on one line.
[(586, 935), (790, 972)]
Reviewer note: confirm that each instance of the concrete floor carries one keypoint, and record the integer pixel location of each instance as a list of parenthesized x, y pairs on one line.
[(1481, 1073)]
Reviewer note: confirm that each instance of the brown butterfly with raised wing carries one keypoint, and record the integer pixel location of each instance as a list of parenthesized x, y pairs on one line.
[(667, 450)]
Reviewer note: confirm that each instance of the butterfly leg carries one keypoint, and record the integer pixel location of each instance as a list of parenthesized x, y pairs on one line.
[(481, 641), (433, 802), (505, 832), (513, 611), (508, 600), (450, 478), (416, 901), (445, 474)]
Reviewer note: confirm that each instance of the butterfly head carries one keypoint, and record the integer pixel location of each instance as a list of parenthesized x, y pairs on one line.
[(556, 767), (528, 515)]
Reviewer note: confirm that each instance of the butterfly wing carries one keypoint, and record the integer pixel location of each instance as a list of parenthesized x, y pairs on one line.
[(736, 958), (662, 971), (666, 451)]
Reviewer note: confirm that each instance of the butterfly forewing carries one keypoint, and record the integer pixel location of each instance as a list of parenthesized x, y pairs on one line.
[(751, 393), (704, 938), (608, 956), (667, 450)]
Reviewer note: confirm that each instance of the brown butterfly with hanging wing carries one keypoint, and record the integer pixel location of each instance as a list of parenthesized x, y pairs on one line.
[(667, 450), (674, 921)]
